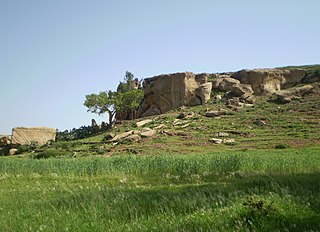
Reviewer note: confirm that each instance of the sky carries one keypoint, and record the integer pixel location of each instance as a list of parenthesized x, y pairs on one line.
[(53, 53)]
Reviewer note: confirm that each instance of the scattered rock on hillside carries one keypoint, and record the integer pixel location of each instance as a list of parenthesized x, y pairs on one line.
[(109, 136), (143, 122), (243, 134), (186, 115), (182, 115), (229, 141), (178, 122), (214, 113), (217, 98), (185, 125), (221, 134), (260, 122), (174, 133), (147, 132), (131, 138), (219, 141), (122, 136), (159, 127), (215, 140)]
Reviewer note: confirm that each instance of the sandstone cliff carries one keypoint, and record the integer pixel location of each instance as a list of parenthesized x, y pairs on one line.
[(165, 92)]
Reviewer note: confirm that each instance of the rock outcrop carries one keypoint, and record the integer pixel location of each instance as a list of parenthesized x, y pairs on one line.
[(4, 140), (269, 81), (166, 92), (287, 95), (235, 88), (41, 135)]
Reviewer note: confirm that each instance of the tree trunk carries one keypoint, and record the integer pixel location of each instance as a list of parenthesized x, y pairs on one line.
[(111, 114)]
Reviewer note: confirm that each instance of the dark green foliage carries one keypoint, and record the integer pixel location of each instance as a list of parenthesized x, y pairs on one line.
[(4, 151), (33, 145), (102, 103), (22, 149), (282, 146), (257, 205), (125, 99), (52, 153), (77, 133)]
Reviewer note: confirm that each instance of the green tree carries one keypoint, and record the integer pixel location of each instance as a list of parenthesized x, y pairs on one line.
[(128, 102), (102, 103), (126, 85), (123, 102)]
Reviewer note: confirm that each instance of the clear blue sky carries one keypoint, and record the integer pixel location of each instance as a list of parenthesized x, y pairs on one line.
[(53, 53)]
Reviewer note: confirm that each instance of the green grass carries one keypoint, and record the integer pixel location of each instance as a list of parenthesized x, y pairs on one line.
[(210, 192)]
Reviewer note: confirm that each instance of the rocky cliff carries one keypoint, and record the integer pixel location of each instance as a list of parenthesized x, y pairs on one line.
[(165, 92)]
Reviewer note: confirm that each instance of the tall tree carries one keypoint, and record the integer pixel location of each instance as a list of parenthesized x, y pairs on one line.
[(124, 101), (102, 103)]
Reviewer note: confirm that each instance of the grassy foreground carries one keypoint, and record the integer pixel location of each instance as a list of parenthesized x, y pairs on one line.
[(275, 190)]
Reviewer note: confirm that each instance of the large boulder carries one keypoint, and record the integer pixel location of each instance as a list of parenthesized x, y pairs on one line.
[(4, 140), (41, 135), (147, 132), (166, 92), (293, 77), (269, 81), (311, 78), (227, 84), (286, 96), (121, 136)]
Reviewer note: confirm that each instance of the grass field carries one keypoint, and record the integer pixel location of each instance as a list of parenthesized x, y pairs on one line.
[(275, 190)]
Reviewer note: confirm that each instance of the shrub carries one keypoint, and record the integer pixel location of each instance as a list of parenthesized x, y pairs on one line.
[(258, 205), (282, 146), (50, 154), (4, 151)]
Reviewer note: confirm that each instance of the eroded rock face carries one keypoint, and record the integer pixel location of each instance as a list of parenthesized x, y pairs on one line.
[(166, 92), (286, 96), (227, 84), (269, 81), (41, 135)]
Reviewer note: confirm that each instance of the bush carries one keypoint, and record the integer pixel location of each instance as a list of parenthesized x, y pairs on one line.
[(27, 147), (282, 146), (258, 205), (4, 151), (51, 154)]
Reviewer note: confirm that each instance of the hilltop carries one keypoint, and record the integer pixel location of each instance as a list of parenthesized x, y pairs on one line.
[(225, 121)]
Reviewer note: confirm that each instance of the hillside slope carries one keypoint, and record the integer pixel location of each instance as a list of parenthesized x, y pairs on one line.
[(264, 125)]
